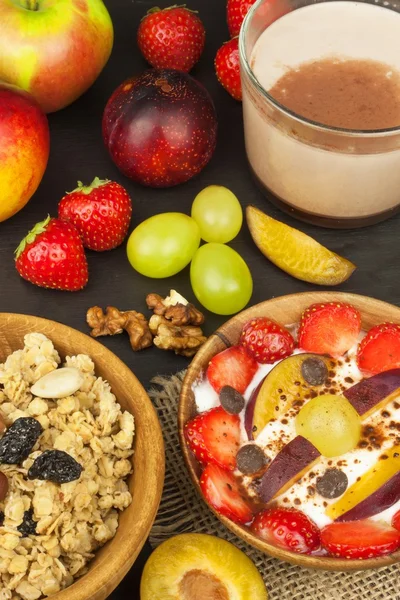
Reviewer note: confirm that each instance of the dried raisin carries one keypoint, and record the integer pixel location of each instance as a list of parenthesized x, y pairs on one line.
[(28, 525), (56, 466), (19, 439)]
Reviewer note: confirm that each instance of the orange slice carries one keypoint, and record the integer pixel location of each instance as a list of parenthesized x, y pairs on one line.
[(295, 252)]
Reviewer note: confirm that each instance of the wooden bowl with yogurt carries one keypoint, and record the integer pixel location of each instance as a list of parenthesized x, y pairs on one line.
[(285, 310), (113, 561)]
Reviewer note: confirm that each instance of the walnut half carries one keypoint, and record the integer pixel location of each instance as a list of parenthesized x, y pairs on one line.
[(114, 321), (175, 308), (182, 339)]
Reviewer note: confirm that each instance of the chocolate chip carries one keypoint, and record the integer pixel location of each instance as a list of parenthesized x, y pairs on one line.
[(250, 459), (231, 400), (314, 370), (332, 484)]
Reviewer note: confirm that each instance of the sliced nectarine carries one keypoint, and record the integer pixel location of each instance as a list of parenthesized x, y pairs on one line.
[(282, 387), (295, 459), (361, 500), (370, 394), (200, 567), (295, 252)]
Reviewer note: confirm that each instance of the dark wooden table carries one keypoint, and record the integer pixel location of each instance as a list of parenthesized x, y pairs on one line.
[(78, 153)]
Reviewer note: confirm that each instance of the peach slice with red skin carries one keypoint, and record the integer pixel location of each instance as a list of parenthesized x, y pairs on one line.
[(200, 567), (288, 466), (376, 490), (367, 395), (281, 389)]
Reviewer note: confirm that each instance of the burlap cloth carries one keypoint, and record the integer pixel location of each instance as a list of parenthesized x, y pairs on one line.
[(182, 511)]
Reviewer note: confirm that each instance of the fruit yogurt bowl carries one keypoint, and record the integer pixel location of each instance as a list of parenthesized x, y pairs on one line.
[(81, 463), (293, 443)]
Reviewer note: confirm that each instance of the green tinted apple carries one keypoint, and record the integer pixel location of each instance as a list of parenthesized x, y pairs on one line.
[(54, 49)]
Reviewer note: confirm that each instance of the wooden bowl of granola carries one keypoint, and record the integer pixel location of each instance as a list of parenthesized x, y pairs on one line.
[(285, 310), (105, 440)]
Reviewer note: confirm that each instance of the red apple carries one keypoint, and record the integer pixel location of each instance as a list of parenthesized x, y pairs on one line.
[(24, 148), (55, 49), (160, 128)]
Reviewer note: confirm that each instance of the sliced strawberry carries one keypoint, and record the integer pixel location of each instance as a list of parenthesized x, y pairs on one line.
[(289, 528), (360, 539), (396, 520), (234, 367), (214, 437), (331, 328), (380, 349), (221, 490), (266, 341)]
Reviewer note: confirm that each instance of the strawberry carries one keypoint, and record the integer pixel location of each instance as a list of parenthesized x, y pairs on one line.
[(329, 328), (236, 10), (360, 539), (214, 436), (234, 367), (396, 520), (52, 256), (380, 349), (227, 68), (266, 340), (101, 212), (289, 528), (171, 38), (221, 490)]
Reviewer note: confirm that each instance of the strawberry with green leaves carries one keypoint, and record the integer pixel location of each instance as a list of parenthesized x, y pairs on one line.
[(52, 256), (101, 212)]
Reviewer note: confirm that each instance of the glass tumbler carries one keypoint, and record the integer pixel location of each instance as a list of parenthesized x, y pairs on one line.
[(328, 176)]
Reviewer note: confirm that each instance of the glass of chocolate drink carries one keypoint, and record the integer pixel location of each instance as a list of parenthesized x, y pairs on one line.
[(321, 105)]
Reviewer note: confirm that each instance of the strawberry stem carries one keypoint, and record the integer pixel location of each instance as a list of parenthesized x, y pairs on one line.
[(35, 231), (87, 189)]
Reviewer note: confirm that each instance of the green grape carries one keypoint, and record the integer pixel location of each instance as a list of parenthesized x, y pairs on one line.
[(163, 245), (218, 213), (220, 279), (330, 423)]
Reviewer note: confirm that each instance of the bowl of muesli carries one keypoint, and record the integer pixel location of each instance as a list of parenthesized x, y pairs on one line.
[(81, 463)]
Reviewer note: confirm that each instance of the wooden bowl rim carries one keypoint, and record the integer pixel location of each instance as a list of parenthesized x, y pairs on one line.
[(222, 337), (99, 582)]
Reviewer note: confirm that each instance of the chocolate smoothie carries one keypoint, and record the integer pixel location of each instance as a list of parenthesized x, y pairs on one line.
[(336, 64), (351, 94)]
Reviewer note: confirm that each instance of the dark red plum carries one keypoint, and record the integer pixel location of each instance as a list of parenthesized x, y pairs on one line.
[(287, 467), (366, 395), (160, 128)]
